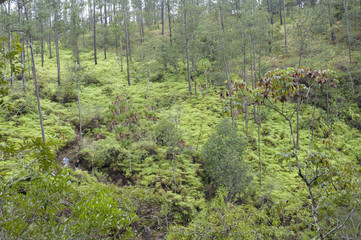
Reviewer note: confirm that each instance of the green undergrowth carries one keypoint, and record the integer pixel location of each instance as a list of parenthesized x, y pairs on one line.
[(123, 143)]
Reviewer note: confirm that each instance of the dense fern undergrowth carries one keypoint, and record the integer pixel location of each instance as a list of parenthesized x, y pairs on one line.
[(133, 182)]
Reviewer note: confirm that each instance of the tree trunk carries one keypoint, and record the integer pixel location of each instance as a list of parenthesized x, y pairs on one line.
[(259, 63), (116, 38), (57, 44), (140, 25), (348, 30), (280, 7), (284, 17), (327, 101), (244, 55), (146, 95), (162, 15), (129, 49), (37, 92), (246, 115), (27, 55), (9, 39), (271, 11), (333, 37), (259, 144), (42, 43), (187, 47), (126, 37), (27, 38), (94, 34), (298, 121), (49, 45), (174, 177), (101, 14), (22, 48), (121, 53), (194, 76), (79, 107), (205, 76), (253, 78), (221, 30), (169, 22), (106, 32), (141, 20), (23, 63)]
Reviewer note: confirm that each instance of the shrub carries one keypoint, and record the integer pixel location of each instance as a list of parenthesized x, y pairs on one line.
[(88, 79), (66, 93), (222, 156), (159, 77)]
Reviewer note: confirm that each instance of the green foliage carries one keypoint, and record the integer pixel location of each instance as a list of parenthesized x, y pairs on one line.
[(222, 220), (12, 54), (222, 156)]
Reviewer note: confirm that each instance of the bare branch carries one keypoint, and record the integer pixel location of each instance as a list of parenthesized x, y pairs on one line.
[(344, 222)]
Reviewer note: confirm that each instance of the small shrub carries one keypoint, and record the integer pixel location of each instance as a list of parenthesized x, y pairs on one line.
[(89, 79), (222, 155), (66, 93), (159, 77)]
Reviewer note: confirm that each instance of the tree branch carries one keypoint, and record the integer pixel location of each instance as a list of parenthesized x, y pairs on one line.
[(344, 222)]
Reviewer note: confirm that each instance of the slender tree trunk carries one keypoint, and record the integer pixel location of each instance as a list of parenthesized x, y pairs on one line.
[(259, 144), (77, 51), (348, 30), (37, 92), (333, 37), (121, 53), (28, 55), (221, 30), (129, 48), (127, 37), (187, 47), (327, 101), (9, 39), (271, 11), (27, 39), (49, 45), (4, 59), (101, 14), (79, 106), (22, 47), (244, 55), (169, 22), (280, 7), (253, 77), (140, 25), (246, 115), (94, 34), (106, 31), (259, 63), (162, 15), (23, 62), (141, 20), (298, 121), (174, 177), (194, 76), (205, 76), (57, 45), (284, 17), (116, 33), (146, 95), (42, 43)]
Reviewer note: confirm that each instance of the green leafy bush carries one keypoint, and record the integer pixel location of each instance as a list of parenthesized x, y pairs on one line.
[(222, 155)]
